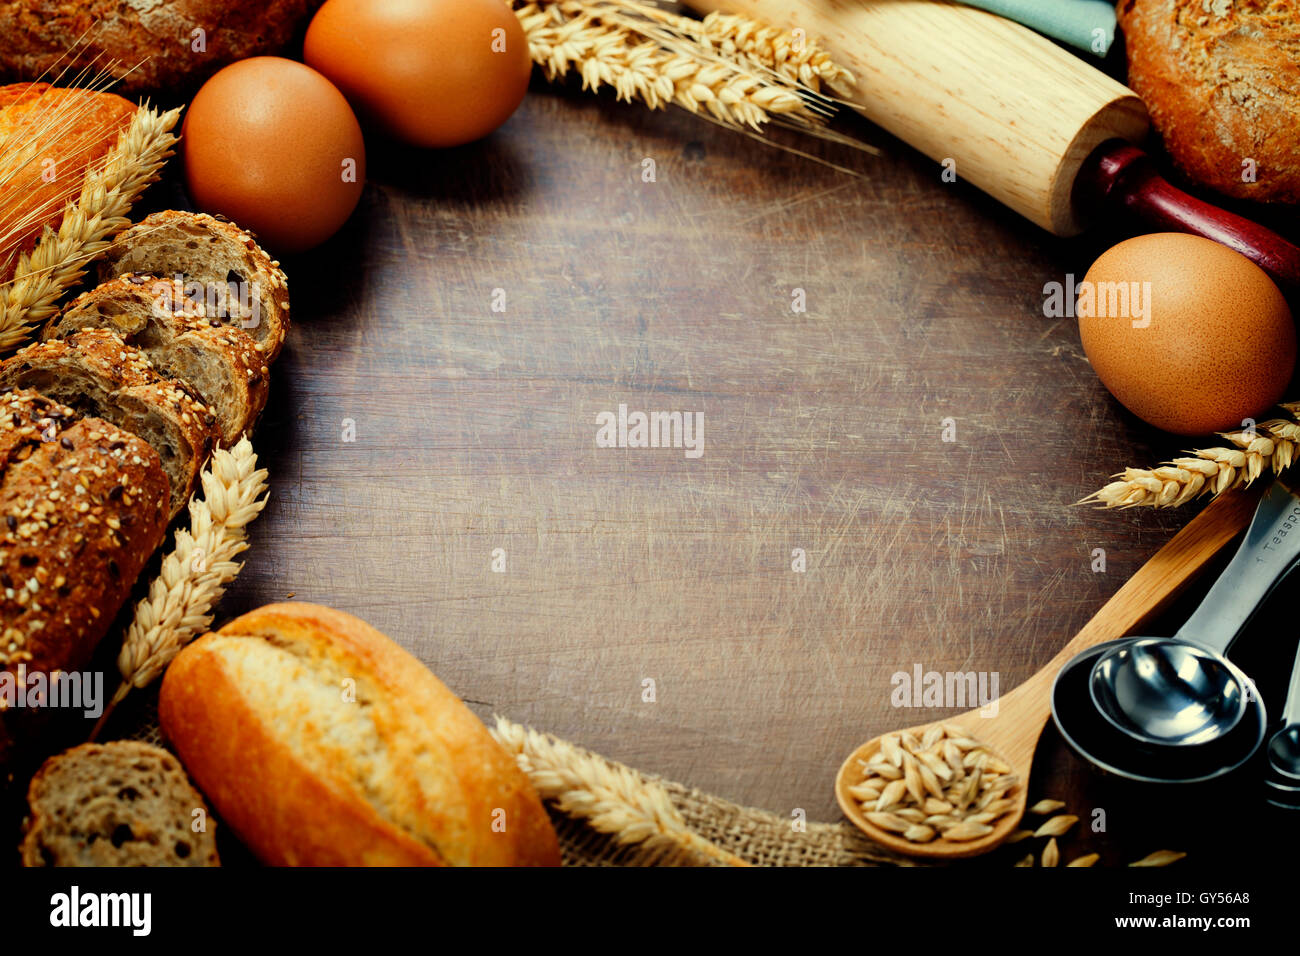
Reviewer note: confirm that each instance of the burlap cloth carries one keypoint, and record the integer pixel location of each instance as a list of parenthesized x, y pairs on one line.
[(756, 836), (759, 837)]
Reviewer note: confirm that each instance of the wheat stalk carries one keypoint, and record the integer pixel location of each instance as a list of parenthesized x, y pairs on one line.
[(730, 69), (42, 276), (1270, 447), (612, 799), (194, 575)]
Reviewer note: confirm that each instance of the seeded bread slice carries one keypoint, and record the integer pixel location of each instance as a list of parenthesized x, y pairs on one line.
[(83, 505), (96, 373), (220, 363), (124, 803), (222, 264)]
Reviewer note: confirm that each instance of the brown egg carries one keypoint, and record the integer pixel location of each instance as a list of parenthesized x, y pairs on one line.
[(430, 72), (273, 145), (1190, 336)]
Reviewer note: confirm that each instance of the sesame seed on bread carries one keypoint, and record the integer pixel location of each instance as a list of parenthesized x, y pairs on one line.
[(220, 363)]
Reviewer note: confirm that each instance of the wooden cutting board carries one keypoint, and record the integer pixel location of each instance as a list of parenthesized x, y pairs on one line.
[(475, 430)]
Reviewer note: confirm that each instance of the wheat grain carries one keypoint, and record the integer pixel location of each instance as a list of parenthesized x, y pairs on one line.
[(734, 71), (42, 276), (1056, 826), (1268, 448), (903, 786), (612, 799), (1025, 860), (1087, 859), (1044, 807), (967, 830), (1159, 858), (197, 571), (1051, 853)]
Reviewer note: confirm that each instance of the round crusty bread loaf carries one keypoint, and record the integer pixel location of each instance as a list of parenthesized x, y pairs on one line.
[(220, 363), (321, 742), (1221, 79), (151, 45), (242, 285), (73, 129), (124, 803)]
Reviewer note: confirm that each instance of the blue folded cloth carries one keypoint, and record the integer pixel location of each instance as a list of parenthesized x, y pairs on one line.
[(1086, 24)]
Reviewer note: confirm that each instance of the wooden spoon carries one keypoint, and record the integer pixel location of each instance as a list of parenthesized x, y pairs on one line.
[(1013, 732)]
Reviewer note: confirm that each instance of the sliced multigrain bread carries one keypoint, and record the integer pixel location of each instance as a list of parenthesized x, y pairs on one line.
[(98, 374), (83, 505), (124, 803), (220, 363), (220, 263)]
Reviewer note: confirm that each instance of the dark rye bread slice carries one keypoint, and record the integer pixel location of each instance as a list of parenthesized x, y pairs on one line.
[(124, 803), (83, 505), (221, 264), (98, 374), (220, 363)]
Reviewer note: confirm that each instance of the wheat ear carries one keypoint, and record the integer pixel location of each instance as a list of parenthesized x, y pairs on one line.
[(612, 799), (195, 574), (42, 276), (1268, 448), (731, 70)]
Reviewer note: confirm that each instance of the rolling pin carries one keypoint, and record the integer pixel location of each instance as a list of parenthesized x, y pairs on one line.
[(1032, 125)]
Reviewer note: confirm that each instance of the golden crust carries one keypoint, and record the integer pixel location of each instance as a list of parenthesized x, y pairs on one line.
[(403, 774), (1222, 83)]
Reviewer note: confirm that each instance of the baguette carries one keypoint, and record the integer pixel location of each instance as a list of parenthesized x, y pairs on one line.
[(84, 505), (221, 364), (240, 284), (97, 373), (321, 742), (123, 803)]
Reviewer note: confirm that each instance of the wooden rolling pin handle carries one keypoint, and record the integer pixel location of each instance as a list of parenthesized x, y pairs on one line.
[(1123, 178)]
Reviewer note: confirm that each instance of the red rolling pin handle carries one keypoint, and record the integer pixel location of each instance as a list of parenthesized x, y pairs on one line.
[(1121, 176)]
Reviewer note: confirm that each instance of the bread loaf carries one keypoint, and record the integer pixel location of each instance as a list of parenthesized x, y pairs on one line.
[(239, 283), (220, 363), (321, 742), (97, 373), (151, 45), (124, 803), (50, 138), (1221, 79), (82, 507)]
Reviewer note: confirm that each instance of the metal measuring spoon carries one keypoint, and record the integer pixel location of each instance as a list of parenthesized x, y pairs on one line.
[(1183, 690), (1284, 746)]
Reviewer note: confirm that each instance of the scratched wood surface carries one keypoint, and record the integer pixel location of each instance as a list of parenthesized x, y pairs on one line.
[(475, 430)]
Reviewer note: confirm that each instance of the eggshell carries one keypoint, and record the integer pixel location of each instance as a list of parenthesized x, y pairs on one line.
[(1211, 345), (430, 72), (274, 145)]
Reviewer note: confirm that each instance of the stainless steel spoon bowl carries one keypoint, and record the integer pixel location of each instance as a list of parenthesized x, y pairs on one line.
[(1164, 691), (1182, 690), (1284, 746)]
